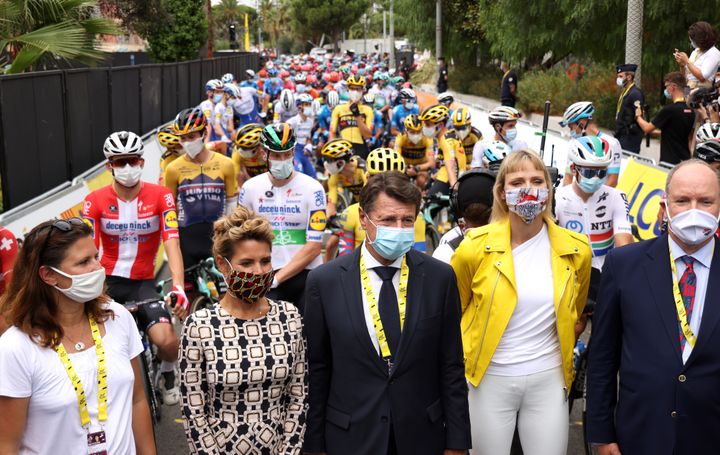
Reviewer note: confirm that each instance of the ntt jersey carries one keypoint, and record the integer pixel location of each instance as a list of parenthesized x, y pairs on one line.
[(353, 233), (201, 190), (601, 218), (253, 166), (345, 122), (296, 212), (413, 154), (449, 145), (128, 232)]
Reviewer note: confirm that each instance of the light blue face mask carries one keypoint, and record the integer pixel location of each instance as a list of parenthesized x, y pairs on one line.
[(591, 185), (308, 111), (666, 93), (392, 242), (574, 134), (217, 98), (511, 134)]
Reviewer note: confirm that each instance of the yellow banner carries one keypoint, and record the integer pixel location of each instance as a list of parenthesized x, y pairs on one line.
[(644, 186)]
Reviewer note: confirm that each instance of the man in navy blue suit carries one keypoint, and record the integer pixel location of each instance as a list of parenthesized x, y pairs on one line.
[(656, 323)]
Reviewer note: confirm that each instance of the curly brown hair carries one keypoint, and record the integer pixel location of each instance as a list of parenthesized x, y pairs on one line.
[(242, 224), (29, 303), (703, 34)]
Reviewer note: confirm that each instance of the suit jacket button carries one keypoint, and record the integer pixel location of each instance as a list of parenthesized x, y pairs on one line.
[(682, 378), (673, 414)]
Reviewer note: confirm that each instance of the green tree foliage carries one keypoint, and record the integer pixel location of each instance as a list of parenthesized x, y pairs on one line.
[(32, 29), (182, 35), (312, 18), (275, 19), (229, 12), (139, 16)]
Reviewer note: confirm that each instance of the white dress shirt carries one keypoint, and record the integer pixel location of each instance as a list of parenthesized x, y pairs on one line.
[(376, 284), (703, 258)]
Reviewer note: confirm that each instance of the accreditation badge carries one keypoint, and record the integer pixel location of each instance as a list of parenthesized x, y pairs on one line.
[(97, 444)]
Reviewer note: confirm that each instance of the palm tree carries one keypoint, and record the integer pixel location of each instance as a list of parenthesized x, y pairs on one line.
[(31, 29), (276, 19)]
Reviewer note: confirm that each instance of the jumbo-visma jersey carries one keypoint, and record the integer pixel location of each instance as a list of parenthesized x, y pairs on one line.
[(129, 231)]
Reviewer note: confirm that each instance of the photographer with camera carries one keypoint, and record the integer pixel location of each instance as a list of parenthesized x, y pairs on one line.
[(676, 120), (702, 64)]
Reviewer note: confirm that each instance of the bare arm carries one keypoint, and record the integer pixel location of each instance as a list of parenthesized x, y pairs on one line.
[(13, 417), (623, 239), (141, 423), (644, 125)]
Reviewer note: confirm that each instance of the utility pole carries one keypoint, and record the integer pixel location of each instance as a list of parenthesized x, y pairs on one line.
[(259, 21), (211, 36), (633, 36), (392, 35), (438, 29)]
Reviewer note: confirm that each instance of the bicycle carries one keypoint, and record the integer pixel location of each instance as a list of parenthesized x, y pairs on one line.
[(204, 284), (431, 203)]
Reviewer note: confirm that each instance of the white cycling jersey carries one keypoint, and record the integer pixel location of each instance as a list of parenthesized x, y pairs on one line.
[(246, 103), (296, 212), (604, 215), (208, 108), (302, 128), (223, 115), (281, 114)]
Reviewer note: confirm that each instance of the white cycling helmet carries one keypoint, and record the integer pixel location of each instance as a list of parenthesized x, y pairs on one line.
[(333, 99), (227, 78), (590, 151), (408, 94), (250, 74), (369, 98), (494, 154), (446, 98), (303, 98), (287, 100), (232, 90), (576, 112), (503, 114), (213, 84), (123, 143), (316, 106), (707, 131)]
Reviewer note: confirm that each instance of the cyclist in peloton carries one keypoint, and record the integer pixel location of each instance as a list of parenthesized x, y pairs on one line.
[(285, 107), (503, 120), (324, 116), (450, 150), (203, 184), (417, 151), (379, 160), (461, 122), (589, 206), (447, 99), (302, 125), (493, 154), (248, 155), (354, 120), (223, 123), (294, 203), (578, 118), (173, 150), (408, 106), (215, 90), (378, 129), (129, 217)]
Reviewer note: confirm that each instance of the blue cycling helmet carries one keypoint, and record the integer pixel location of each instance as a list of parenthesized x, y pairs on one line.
[(272, 72), (576, 112), (494, 153)]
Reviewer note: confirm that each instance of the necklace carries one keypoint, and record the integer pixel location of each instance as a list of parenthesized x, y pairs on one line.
[(79, 345)]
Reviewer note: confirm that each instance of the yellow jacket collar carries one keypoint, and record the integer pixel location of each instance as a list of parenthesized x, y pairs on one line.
[(498, 238)]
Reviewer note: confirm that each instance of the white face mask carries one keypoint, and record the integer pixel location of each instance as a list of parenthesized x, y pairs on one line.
[(429, 131), (193, 148), (619, 81), (415, 138), (355, 95), (246, 153), (335, 168), (281, 169), (84, 287), (128, 176), (693, 226)]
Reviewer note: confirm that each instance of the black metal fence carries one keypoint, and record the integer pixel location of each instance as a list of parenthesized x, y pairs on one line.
[(53, 123)]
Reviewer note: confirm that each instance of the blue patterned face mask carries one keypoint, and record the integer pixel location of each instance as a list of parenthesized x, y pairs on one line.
[(392, 242)]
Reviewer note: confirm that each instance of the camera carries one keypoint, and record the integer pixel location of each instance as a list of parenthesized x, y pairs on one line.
[(704, 96)]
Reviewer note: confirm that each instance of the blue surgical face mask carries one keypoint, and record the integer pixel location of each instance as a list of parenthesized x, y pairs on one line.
[(300, 88), (591, 185), (666, 93), (409, 105), (217, 98), (511, 134), (308, 111), (392, 242), (574, 134)]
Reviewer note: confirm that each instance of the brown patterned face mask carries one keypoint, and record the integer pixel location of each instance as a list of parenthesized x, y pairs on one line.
[(248, 287)]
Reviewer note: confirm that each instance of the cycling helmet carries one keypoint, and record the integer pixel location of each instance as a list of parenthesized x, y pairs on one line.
[(316, 105), (167, 139), (383, 160), (189, 121), (303, 98), (333, 99), (398, 80), (356, 81), (590, 151), (213, 84), (436, 113), (494, 153), (300, 78), (708, 151), (406, 94), (446, 98), (248, 138), (503, 114), (413, 123), (287, 99), (461, 117), (278, 138), (369, 99), (272, 72), (337, 149), (232, 90), (707, 132), (576, 112), (250, 74), (123, 143), (227, 78)]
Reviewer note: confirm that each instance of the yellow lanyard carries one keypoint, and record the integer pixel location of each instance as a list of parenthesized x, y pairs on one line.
[(102, 376), (622, 97), (375, 313)]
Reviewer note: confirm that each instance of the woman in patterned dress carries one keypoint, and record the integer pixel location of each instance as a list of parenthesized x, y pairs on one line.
[(243, 362)]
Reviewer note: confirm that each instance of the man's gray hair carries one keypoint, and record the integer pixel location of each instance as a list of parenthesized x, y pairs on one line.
[(682, 164)]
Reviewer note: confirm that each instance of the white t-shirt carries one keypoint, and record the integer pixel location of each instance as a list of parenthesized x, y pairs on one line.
[(530, 342), (478, 148), (53, 420), (302, 128), (707, 61), (444, 252)]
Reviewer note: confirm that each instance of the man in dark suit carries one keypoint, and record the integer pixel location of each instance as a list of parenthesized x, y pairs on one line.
[(384, 346), (656, 323), (626, 129)]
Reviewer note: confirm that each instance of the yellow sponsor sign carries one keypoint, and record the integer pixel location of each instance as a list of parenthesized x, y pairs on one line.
[(645, 187), (318, 220)]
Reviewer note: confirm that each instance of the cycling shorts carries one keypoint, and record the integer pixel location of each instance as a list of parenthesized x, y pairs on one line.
[(126, 290)]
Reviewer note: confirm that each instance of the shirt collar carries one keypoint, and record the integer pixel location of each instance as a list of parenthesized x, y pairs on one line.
[(371, 262), (703, 255)]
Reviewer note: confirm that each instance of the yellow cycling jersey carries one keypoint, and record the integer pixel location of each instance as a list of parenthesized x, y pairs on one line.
[(473, 137), (168, 157), (449, 145), (253, 166), (354, 184), (353, 234), (413, 154), (344, 120)]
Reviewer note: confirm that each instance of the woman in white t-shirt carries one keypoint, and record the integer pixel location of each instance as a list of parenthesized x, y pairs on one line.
[(68, 342), (523, 282), (701, 66)]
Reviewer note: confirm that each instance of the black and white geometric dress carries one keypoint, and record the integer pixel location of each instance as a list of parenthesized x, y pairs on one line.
[(244, 382)]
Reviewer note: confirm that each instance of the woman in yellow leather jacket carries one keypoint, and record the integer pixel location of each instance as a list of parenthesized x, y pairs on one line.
[(523, 283)]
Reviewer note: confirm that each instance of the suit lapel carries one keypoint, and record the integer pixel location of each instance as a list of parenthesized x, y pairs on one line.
[(350, 278), (711, 309), (414, 300)]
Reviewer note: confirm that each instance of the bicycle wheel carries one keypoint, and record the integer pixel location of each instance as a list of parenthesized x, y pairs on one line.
[(201, 302), (150, 392)]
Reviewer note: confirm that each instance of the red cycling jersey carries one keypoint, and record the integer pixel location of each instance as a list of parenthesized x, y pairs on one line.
[(8, 253), (130, 231)]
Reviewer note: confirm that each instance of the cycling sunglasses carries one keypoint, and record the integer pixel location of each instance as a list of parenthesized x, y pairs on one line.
[(122, 162), (63, 226), (589, 172)]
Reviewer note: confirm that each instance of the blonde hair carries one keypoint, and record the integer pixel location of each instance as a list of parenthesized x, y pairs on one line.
[(241, 225), (512, 163)]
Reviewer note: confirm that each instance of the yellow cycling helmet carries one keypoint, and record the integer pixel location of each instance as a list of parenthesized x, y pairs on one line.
[(248, 137), (168, 139), (355, 81), (461, 117), (383, 160), (412, 122), (436, 113), (337, 149)]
